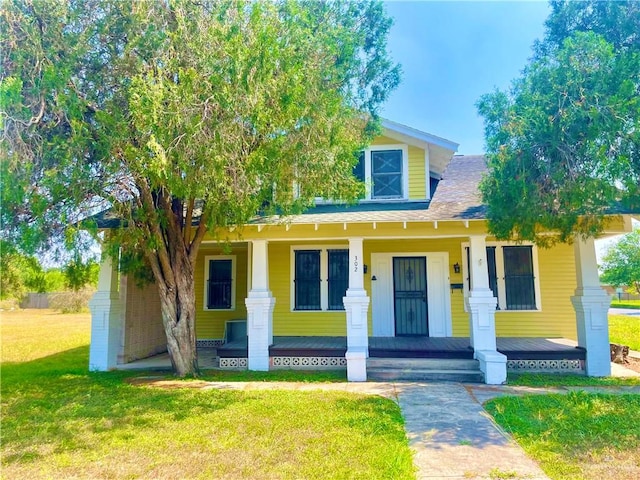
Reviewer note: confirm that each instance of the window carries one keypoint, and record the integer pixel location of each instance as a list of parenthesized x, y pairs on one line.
[(518, 278), (220, 273), (338, 277), (307, 280), (320, 278), (386, 174), (384, 168), (512, 276)]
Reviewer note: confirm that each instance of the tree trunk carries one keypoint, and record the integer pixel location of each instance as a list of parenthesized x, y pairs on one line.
[(178, 308), (619, 353)]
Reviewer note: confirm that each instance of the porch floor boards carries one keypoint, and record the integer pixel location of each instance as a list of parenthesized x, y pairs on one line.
[(412, 347)]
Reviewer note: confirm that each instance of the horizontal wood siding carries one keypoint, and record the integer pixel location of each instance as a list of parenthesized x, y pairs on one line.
[(291, 323), (557, 285), (210, 325), (417, 190)]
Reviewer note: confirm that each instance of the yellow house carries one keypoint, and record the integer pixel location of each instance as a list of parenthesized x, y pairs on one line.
[(408, 274)]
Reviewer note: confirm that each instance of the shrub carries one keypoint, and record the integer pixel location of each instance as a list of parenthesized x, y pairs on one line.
[(71, 301)]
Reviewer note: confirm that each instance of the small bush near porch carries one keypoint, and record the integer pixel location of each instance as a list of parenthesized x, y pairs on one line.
[(59, 421)]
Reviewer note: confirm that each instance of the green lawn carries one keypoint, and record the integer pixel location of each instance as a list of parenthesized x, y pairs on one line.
[(625, 304), (625, 329), (575, 436), (60, 421)]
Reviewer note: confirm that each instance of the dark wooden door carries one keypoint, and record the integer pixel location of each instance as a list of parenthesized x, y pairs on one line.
[(410, 296)]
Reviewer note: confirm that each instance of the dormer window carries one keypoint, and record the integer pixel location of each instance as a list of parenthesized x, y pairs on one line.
[(384, 169)]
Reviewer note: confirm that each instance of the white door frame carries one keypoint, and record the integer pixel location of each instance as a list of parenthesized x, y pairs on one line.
[(438, 293)]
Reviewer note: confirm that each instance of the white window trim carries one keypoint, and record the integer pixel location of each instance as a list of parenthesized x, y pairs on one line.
[(502, 295), (324, 275), (207, 259), (405, 171), (367, 175)]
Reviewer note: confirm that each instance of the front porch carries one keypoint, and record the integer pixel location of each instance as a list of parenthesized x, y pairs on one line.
[(523, 354)]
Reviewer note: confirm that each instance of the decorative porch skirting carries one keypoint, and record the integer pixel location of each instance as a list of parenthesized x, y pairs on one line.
[(542, 366), (304, 363)]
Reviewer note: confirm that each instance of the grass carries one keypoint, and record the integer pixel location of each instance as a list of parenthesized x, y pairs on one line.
[(568, 380), (625, 329), (625, 304), (575, 436), (61, 421)]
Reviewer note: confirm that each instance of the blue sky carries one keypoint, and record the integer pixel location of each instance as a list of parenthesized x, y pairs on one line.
[(453, 52)]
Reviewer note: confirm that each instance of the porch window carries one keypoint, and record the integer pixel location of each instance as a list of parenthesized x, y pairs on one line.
[(386, 174), (307, 280), (338, 277), (518, 278), (220, 283), (512, 276), (320, 278)]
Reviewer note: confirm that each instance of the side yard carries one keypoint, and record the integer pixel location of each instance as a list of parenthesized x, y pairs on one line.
[(58, 420)]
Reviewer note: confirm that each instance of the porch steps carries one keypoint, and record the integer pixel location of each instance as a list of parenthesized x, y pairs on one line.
[(424, 369)]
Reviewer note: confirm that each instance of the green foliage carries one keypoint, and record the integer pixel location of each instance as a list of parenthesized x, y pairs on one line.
[(182, 118), (20, 274), (79, 274), (621, 263), (563, 143)]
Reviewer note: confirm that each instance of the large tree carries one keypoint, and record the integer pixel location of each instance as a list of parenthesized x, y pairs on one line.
[(563, 144), (621, 263), (182, 118)]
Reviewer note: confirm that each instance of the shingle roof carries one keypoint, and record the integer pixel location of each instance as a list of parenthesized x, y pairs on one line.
[(456, 198)]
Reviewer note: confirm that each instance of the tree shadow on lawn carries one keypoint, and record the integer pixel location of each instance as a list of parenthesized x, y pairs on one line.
[(56, 401)]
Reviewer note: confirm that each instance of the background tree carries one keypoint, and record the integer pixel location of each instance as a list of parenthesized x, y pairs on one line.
[(621, 264), (564, 143), (182, 118)]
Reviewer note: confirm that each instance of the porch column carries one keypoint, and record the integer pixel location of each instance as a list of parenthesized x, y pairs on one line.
[(260, 304), (482, 309), (107, 320), (591, 304), (356, 304)]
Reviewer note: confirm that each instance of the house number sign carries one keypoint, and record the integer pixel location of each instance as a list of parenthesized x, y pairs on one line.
[(355, 263)]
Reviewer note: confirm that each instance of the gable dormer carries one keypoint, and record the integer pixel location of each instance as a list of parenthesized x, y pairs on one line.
[(403, 164)]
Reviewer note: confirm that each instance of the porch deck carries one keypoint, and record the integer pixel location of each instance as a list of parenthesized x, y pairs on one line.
[(413, 347)]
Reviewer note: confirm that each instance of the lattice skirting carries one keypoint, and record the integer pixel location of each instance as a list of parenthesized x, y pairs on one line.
[(309, 362), (234, 363), (575, 366), (209, 343)]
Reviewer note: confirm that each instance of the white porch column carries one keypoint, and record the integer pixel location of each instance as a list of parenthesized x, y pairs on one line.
[(260, 304), (591, 304), (356, 304), (482, 309), (107, 320)]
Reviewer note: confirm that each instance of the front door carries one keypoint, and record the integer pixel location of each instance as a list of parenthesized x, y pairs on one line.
[(410, 296)]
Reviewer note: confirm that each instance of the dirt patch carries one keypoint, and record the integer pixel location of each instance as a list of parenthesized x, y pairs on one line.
[(159, 382)]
